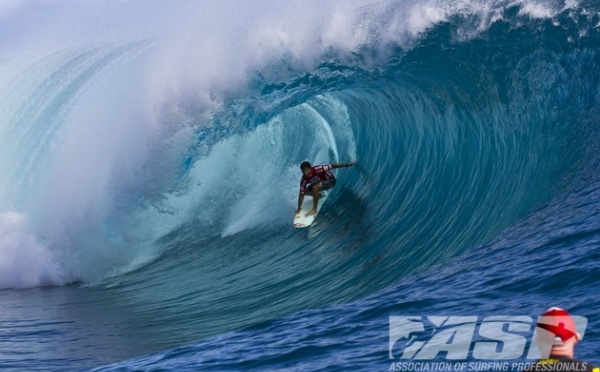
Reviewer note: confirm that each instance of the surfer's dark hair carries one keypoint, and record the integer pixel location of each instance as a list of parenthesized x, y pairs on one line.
[(305, 165)]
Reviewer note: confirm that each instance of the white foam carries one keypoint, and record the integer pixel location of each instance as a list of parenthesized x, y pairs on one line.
[(24, 261), (536, 10), (7, 6)]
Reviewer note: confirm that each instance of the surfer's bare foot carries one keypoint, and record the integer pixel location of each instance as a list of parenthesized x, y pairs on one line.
[(311, 213)]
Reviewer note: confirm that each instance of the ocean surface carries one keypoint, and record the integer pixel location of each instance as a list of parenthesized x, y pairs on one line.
[(149, 173)]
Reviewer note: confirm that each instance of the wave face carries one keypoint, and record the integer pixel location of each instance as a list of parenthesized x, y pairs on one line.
[(151, 170)]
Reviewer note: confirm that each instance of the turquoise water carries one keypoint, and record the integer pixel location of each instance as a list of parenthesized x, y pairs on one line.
[(150, 175)]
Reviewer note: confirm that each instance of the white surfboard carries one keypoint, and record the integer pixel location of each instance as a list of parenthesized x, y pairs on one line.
[(300, 219)]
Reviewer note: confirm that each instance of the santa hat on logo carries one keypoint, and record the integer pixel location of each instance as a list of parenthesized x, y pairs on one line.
[(559, 324)]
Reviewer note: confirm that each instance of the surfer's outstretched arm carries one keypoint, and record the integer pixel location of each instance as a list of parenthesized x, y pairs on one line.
[(342, 165)]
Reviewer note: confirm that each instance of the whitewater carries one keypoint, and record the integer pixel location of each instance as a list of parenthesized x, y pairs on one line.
[(149, 174)]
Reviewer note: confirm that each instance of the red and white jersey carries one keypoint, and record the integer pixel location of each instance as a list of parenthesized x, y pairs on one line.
[(319, 173)]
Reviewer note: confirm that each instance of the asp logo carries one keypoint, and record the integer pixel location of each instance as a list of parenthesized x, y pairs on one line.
[(501, 337)]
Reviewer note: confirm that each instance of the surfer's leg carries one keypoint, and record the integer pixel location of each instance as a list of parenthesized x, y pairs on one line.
[(328, 184), (309, 190), (315, 193)]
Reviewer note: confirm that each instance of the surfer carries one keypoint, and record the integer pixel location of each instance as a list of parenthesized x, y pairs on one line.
[(316, 179)]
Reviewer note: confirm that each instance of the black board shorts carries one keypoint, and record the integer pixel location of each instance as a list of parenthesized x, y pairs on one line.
[(325, 185)]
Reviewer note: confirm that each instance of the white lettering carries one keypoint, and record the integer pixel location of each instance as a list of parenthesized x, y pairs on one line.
[(510, 345), (454, 341)]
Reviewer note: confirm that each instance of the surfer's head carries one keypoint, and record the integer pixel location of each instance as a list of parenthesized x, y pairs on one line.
[(305, 167)]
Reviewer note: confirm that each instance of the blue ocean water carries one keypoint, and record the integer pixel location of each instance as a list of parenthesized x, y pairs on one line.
[(149, 171)]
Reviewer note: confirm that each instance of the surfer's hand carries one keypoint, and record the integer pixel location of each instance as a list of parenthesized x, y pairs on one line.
[(350, 164)]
